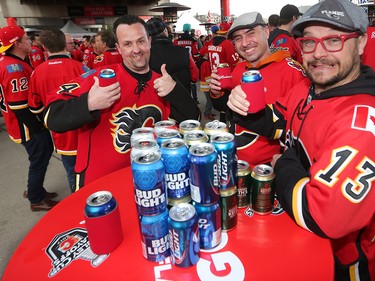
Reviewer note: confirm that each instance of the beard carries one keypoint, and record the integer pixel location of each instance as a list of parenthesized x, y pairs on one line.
[(322, 80)]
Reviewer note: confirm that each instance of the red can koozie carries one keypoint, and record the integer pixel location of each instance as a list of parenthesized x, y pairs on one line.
[(107, 77), (253, 86), (223, 70), (103, 222)]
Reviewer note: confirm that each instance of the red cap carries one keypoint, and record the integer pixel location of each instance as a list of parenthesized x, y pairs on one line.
[(9, 35), (223, 28)]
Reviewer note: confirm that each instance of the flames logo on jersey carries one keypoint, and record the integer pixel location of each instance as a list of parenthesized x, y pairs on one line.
[(296, 65), (128, 119)]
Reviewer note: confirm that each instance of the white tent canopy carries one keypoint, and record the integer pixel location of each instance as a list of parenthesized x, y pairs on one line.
[(75, 31), (186, 17)]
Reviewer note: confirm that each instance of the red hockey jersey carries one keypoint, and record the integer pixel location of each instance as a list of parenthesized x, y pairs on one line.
[(280, 73), (57, 70), (104, 144), (107, 58), (37, 56), (221, 50), (283, 40), (15, 74)]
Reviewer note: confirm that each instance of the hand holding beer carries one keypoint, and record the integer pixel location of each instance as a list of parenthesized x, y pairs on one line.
[(253, 86)]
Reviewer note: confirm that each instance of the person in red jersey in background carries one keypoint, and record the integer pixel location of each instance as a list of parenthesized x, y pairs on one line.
[(89, 50), (57, 70), (23, 126), (72, 48), (368, 56), (105, 44), (37, 54), (86, 40), (325, 177), (281, 38), (106, 116), (280, 73)]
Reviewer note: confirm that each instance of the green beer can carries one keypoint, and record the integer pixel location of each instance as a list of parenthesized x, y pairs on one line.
[(228, 204), (262, 191)]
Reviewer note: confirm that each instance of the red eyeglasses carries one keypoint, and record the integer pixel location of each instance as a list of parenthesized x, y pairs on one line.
[(331, 43)]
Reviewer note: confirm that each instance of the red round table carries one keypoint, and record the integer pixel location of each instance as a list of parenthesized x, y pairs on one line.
[(263, 248)]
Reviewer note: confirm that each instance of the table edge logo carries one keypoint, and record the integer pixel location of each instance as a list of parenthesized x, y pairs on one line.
[(69, 246)]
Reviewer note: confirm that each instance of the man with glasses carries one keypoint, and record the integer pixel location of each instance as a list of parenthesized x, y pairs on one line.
[(280, 73), (325, 177)]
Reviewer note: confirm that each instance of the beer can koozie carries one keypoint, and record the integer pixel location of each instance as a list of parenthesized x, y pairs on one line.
[(149, 190), (194, 137), (214, 127), (226, 158), (253, 85), (154, 236), (225, 73), (204, 178), (262, 191), (107, 77), (209, 223), (183, 235), (189, 125), (228, 204), (174, 154), (103, 222), (243, 184)]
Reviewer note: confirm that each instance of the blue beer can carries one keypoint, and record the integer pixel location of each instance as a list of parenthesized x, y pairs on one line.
[(203, 172), (251, 76), (148, 178), (209, 223), (166, 134), (154, 236), (227, 159), (174, 154), (99, 204), (183, 235)]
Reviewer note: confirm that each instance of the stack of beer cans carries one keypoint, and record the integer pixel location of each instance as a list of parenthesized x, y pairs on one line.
[(192, 172)]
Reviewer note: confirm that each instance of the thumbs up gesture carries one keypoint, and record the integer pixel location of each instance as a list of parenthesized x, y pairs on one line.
[(165, 84)]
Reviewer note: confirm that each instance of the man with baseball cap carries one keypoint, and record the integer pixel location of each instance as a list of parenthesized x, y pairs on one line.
[(325, 177), (280, 73), (281, 37), (23, 126)]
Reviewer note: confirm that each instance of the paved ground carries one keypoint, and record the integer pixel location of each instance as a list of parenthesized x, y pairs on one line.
[(16, 219)]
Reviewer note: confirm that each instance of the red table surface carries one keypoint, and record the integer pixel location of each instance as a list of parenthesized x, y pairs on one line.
[(263, 248)]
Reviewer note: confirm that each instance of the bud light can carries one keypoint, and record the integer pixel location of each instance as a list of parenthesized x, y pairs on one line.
[(228, 204), (195, 137), (103, 222), (227, 159), (149, 189), (165, 124), (154, 236), (215, 127), (166, 134), (262, 191), (142, 133), (143, 146), (204, 178), (174, 154), (183, 235), (189, 125), (243, 184), (209, 223), (253, 86), (107, 77)]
